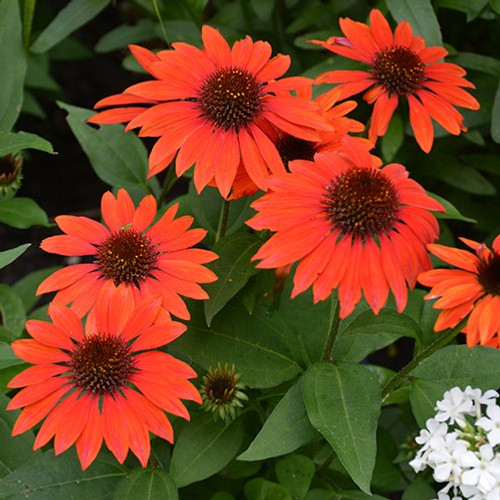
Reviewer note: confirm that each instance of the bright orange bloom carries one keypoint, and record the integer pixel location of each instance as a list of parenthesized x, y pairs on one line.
[(401, 66), (103, 383), (210, 104), (351, 226), (473, 288), (151, 259), (293, 148)]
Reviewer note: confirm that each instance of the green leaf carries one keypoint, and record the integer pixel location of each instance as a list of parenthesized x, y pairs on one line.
[(302, 311), (7, 356), (295, 473), (472, 8), (14, 63), (12, 142), (123, 35), (286, 429), (343, 404), (421, 16), (119, 159), (14, 452), (451, 211), (233, 268), (477, 62), (369, 333), (393, 139), (256, 344), (459, 365), (27, 286), (46, 477), (486, 162), (495, 5), (423, 396), (74, 15), (12, 309), (22, 213), (8, 256), (203, 448), (262, 489), (147, 484), (495, 117)]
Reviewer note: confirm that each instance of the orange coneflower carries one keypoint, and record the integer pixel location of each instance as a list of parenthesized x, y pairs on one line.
[(129, 249), (472, 289), (351, 226), (104, 382), (401, 66), (210, 104)]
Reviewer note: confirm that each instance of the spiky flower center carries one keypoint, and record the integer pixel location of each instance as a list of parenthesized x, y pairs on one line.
[(10, 167), (399, 69), (489, 274), (292, 148), (102, 363), (220, 385), (230, 98), (362, 202), (126, 257)]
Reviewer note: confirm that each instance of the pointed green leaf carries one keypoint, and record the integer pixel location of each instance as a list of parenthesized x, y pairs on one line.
[(8, 256), (451, 211), (118, 158), (478, 62), (12, 142), (13, 61), (74, 15), (123, 35), (256, 344), (7, 356), (286, 429), (420, 14), (343, 404), (47, 477), (233, 268), (147, 484), (22, 213), (203, 448)]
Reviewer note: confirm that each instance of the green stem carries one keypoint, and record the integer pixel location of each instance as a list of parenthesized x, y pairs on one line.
[(160, 20), (441, 341), (170, 180), (223, 219), (333, 333)]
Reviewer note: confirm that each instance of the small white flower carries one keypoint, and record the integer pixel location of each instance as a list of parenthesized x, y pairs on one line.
[(454, 405), (434, 433), (449, 460), (491, 424), (485, 470)]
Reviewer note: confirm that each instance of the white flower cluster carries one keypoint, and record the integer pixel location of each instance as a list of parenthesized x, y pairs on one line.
[(462, 445)]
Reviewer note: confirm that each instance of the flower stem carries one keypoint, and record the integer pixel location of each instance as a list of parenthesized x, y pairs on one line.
[(223, 218), (441, 341), (333, 333)]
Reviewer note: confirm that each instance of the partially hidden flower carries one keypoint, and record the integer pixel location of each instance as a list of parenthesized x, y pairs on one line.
[(350, 225), (11, 174), (102, 382), (128, 248), (473, 289), (292, 148), (222, 392), (211, 106), (400, 67)]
